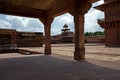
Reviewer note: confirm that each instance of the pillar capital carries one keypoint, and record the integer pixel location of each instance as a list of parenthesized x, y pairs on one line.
[(81, 8), (76, 12), (46, 20)]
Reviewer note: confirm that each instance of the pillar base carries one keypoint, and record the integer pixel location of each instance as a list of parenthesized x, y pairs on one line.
[(47, 51), (79, 54)]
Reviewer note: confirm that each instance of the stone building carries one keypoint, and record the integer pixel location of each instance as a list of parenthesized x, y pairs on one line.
[(111, 23), (7, 36), (95, 39), (29, 39), (22, 39), (46, 14), (55, 39), (66, 36)]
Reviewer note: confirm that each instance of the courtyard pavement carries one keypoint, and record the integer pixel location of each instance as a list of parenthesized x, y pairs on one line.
[(102, 63)]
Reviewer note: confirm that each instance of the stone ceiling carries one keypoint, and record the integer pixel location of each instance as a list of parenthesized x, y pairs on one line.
[(39, 8)]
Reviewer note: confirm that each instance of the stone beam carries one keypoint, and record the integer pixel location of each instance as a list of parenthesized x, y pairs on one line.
[(83, 8), (59, 10), (70, 6), (106, 5), (94, 1), (11, 9)]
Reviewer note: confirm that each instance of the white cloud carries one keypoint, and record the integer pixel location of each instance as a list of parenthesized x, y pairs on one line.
[(66, 18), (92, 17), (25, 24), (60, 21), (55, 30), (4, 24)]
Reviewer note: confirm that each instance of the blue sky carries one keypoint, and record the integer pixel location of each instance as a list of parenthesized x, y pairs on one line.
[(34, 25)]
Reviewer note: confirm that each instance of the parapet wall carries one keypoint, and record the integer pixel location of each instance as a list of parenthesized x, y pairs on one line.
[(22, 39), (29, 39)]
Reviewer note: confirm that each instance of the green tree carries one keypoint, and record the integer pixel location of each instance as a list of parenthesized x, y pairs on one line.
[(87, 34), (98, 33), (94, 33)]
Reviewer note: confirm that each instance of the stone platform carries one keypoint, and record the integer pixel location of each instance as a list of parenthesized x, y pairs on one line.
[(102, 63)]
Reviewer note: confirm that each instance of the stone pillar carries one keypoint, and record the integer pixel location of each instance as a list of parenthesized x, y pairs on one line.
[(47, 30), (13, 38), (118, 34), (79, 53), (78, 13)]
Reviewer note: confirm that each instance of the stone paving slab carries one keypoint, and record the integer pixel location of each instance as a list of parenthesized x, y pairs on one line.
[(41, 67)]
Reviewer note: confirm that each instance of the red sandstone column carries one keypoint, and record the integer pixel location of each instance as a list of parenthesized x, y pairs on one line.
[(78, 13), (118, 34), (79, 53), (47, 29)]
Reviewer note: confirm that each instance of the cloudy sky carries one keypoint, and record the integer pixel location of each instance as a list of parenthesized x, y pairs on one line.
[(34, 25)]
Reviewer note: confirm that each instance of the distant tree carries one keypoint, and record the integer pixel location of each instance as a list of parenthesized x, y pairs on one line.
[(98, 33), (91, 33), (87, 34), (94, 33)]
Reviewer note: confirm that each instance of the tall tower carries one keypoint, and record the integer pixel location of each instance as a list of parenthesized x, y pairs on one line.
[(65, 29), (111, 22), (67, 36)]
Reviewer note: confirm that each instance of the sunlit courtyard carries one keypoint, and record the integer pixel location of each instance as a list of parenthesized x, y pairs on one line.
[(102, 63), (93, 51)]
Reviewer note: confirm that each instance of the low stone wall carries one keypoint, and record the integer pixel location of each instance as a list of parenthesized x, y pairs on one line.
[(21, 51), (22, 39), (29, 43), (29, 39), (94, 39), (9, 51), (26, 52)]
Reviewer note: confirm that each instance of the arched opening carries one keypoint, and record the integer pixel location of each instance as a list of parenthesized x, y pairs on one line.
[(62, 35), (26, 33)]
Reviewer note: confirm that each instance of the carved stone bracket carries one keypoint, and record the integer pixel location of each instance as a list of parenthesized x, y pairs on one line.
[(46, 20), (81, 8)]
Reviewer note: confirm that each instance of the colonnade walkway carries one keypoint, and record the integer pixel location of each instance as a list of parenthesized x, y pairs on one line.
[(102, 63)]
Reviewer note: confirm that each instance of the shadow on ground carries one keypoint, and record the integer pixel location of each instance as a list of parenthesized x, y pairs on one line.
[(52, 68)]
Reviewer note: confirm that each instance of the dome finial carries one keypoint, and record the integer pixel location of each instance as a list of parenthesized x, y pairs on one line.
[(65, 26)]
